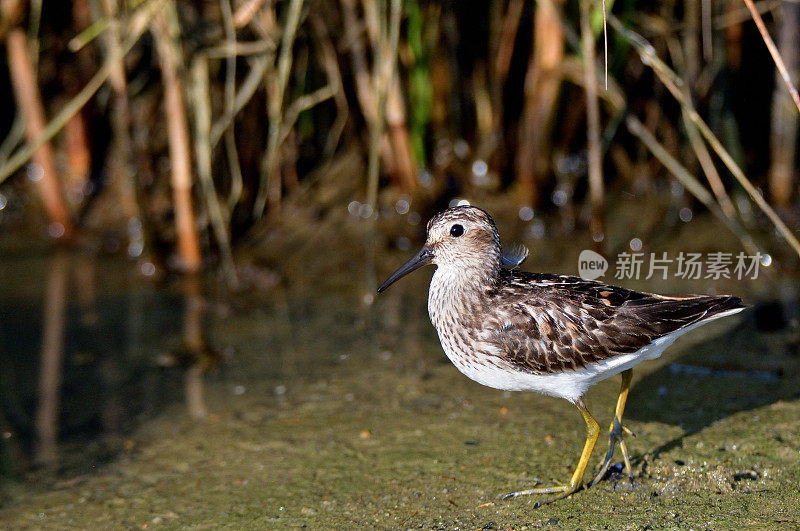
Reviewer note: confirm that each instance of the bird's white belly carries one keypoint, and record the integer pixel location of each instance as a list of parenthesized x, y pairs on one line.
[(570, 384)]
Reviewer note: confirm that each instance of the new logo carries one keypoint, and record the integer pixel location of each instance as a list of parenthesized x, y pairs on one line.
[(591, 265)]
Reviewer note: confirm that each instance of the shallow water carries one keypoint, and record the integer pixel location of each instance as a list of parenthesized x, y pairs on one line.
[(138, 403)]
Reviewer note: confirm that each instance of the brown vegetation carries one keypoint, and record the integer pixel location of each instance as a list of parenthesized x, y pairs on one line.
[(250, 97)]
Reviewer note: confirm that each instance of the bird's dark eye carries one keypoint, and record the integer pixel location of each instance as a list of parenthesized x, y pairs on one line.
[(456, 231)]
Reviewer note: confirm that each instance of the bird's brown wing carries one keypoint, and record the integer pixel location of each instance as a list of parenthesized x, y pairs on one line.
[(547, 323)]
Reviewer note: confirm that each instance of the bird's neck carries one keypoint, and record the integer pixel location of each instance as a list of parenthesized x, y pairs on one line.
[(456, 289)]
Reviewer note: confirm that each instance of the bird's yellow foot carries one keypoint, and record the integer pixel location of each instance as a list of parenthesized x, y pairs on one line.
[(614, 437), (563, 490)]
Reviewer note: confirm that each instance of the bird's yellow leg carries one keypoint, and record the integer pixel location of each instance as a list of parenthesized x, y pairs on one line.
[(592, 433), (616, 430)]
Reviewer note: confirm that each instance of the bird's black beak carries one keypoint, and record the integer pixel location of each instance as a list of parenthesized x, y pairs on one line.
[(423, 257)]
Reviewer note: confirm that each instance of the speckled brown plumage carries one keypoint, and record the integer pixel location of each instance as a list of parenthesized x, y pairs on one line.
[(548, 323)]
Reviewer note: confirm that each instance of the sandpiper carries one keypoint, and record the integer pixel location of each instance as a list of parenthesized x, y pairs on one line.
[(554, 334)]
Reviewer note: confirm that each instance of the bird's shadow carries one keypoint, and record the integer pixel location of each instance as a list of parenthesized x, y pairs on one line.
[(724, 369)]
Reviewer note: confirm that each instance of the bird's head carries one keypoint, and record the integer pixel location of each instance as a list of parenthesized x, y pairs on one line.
[(463, 238)]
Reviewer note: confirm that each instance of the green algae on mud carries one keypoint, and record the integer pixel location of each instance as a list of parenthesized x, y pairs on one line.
[(334, 414), (332, 433)]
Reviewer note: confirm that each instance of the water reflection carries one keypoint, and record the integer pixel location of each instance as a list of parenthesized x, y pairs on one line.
[(88, 354), (194, 341), (52, 353)]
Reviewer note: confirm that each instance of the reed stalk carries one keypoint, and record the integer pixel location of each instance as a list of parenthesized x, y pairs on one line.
[(679, 56), (385, 58), (125, 180), (773, 51), (785, 122), (541, 91), (166, 31), (258, 68), (269, 189), (595, 156), (237, 182), (330, 63), (26, 90), (202, 147)]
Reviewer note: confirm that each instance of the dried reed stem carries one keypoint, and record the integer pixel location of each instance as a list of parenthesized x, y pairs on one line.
[(258, 67), (202, 146), (605, 45), (233, 49), (26, 90), (330, 64), (230, 97), (695, 140), (708, 42), (303, 103), (195, 343), (709, 169), (245, 13), (385, 58), (595, 157), (782, 175), (394, 151), (542, 87), (773, 50), (125, 181), (166, 31), (505, 50), (689, 182), (269, 189), (15, 135), (353, 37), (732, 17)]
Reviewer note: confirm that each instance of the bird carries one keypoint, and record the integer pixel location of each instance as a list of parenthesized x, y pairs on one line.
[(558, 335)]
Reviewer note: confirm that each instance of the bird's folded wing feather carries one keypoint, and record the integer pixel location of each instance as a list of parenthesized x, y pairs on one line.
[(548, 323)]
